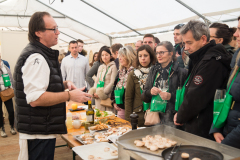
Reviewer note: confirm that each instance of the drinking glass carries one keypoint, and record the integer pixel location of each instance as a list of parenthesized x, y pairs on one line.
[(219, 95), (164, 88)]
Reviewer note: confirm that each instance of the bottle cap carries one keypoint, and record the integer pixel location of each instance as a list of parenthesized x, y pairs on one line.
[(133, 115), (89, 102)]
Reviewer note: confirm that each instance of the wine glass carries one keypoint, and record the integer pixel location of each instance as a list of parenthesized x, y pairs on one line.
[(220, 95), (164, 88)]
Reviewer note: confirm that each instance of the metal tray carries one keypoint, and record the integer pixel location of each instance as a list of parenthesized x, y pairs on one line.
[(127, 141), (78, 138), (194, 152)]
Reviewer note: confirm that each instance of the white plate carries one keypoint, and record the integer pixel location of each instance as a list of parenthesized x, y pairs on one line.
[(96, 149)]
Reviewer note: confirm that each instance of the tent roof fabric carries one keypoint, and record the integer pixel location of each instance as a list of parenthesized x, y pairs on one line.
[(100, 21)]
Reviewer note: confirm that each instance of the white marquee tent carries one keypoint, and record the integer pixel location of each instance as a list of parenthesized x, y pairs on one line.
[(104, 22)]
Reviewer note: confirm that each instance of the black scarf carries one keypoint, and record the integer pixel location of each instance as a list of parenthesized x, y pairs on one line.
[(162, 75)]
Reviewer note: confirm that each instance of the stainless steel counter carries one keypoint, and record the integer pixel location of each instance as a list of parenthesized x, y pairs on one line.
[(127, 141)]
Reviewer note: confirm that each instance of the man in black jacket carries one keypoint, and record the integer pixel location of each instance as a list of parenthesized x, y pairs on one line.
[(209, 69), (39, 91)]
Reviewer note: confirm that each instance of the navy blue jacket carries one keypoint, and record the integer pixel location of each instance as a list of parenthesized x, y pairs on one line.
[(6, 63), (231, 130)]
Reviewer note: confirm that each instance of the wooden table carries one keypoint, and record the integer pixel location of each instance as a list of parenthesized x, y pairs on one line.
[(69, 139)]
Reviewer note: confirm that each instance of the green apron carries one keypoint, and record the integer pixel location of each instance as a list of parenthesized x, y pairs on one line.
[(221, 107), (157, 103), (101, 83), (146, 106), (180, 95), (118, 93)]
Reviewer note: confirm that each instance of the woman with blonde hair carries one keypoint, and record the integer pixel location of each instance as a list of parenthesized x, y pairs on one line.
[(230, 133), (127, 57)]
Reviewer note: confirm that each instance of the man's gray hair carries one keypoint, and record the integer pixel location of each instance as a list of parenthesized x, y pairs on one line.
[(197, 28)]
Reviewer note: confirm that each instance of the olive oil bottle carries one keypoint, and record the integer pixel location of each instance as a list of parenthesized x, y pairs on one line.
[(90, 113)]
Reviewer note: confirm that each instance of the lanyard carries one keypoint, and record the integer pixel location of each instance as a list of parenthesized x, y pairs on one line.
[(104, 75)]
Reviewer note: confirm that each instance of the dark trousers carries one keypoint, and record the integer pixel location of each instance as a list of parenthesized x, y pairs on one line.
[(9, 106), (41, 149)]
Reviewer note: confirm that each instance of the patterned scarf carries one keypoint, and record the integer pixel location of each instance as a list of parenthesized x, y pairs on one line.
[(123, 75), (3, 71), (142, 75), (162, 79)]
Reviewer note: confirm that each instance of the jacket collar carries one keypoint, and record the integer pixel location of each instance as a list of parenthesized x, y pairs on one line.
[(198, 55), (48, 51)]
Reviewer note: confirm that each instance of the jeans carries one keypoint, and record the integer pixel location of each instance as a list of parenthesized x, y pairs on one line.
[(41, 149), (9, 106)]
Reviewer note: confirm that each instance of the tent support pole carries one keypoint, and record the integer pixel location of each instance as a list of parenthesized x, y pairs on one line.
[(16, 15), (111, 17), (71, 18), (67, 35), (194, 11)]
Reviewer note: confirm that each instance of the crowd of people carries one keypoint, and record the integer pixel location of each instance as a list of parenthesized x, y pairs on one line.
[(122, 79)]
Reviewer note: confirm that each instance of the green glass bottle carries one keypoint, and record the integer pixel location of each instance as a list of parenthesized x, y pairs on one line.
[(90, 113)]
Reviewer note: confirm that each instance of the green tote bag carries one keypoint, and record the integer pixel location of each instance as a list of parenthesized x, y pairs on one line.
[(146, 106), (221, 108), (180, 95), (118, 93), (157, 103)]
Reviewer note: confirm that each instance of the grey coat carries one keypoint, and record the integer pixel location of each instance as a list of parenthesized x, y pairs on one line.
[(93, 71)]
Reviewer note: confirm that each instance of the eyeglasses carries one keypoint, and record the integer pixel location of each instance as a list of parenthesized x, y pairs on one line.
[(213, 36), (161, 52), (54, 30)]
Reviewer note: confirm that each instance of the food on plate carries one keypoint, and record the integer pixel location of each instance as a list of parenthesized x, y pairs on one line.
[(89, 139), (85, 136), (153, 147), (98, 158), (74, 106), (103, 113), (140, 143), (88, 142), (99, 127), (118, 123), (90, 157), (103, 140), (135, 142), (155, 142), (168, 145), (114, 153), (185, 155), (161, 146), (106, 149), (196, 159)]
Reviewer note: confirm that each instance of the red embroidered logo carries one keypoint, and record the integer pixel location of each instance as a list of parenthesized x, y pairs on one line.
[(198, 79)]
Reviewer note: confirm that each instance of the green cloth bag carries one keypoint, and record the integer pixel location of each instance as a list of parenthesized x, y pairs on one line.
[(146, 106), (157, 103), (6, 80), (101, 83), (118, 93), (221, 108), (180, 95)]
